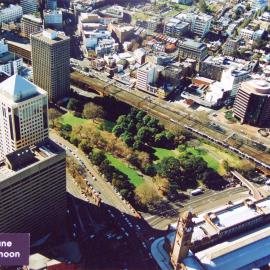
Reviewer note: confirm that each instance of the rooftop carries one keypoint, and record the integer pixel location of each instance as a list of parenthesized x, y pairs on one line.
[(210, 224), (238, 252), (20, 160), (260, 87), (192, 44), (241, 251), (17, 89), (32, 17), (7, 57), (50, 36)]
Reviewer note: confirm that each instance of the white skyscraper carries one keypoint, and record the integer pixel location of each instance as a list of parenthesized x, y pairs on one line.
[(23, 114)]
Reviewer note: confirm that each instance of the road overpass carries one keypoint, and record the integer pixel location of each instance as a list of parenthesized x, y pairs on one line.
[(245, 182)]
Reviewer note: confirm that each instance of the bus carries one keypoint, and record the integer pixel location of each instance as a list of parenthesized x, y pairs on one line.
[(196, 191)]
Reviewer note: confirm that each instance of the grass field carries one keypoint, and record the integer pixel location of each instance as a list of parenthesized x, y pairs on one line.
[(132, 174), (212, 155), (161, 153), (211, 161), (72, 120)]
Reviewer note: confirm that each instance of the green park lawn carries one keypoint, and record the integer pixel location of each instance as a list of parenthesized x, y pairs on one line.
[(70, 119), (132, 174), (212, 155), (208, 158), (161, 153)]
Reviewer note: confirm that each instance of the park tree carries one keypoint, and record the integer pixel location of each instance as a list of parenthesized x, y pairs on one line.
[(73, 104), (144, 134), (138, 144), (97, 157), (212, 179), (93, 111), (107, 169), (147, 193), (54, 116), (118, 130), (193, 166), (140, 115), (169, 167), (150, 170), (85, 147), (127, 138), (147, 118), (74, 140)]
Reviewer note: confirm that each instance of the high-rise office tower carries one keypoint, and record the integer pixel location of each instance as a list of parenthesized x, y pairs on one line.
[(29, 6), (23, 114), (50, 61), (252, 103), (33, 190)]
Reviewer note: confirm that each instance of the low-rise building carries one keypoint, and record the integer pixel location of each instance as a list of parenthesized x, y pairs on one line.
[(230, 47), (114, 11), (150, 24), (21, 49), (147, 76), (123, 32), (246, 34), (9, 62), (10, 14), (176, 28), (192, 49), (217, 239), (200, 23), (214, 66)]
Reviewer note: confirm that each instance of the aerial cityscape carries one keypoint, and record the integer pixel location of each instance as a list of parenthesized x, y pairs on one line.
[(134, 135)]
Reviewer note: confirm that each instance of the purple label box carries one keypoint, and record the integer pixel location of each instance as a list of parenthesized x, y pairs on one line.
[(14, 249)]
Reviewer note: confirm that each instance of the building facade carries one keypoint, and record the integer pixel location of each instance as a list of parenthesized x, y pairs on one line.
[(9, 62), (252, 103), (23, 117), (29, 6), (53, 19), (30, 24), (33, 190), (50, 61), (192, 49), (10, 14)]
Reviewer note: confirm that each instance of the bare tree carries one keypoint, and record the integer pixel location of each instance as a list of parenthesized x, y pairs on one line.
[(92, 111), (54, 116)]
